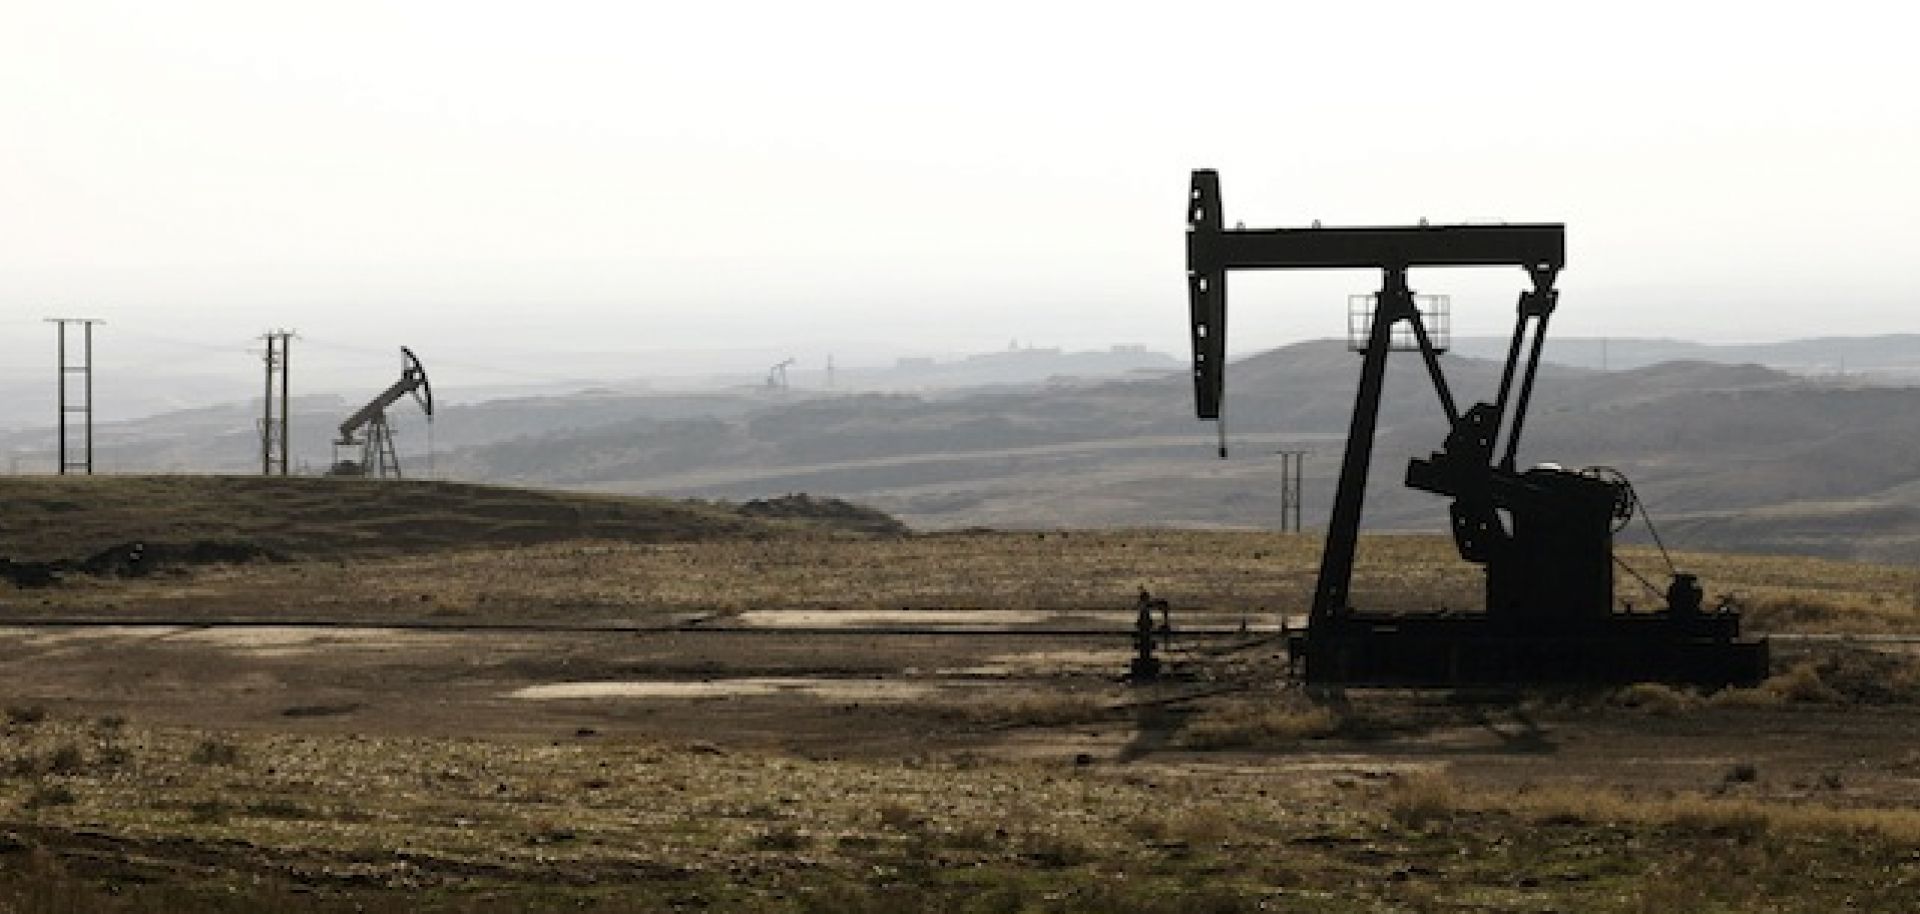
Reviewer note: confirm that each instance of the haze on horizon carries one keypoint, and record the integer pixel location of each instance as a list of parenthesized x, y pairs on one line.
[(879, 178)]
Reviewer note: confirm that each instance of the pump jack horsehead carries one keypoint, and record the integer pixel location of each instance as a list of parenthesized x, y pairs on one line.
[(1544, 535)]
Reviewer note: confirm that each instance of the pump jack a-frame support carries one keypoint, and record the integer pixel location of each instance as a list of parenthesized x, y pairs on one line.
[(1544, 535)]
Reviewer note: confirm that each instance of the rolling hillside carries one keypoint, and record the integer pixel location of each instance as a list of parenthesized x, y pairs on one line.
[(73, 517), (1725, 456)]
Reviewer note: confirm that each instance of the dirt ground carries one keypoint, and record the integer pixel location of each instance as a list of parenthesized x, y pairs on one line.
[(821, 694), (925, 721)]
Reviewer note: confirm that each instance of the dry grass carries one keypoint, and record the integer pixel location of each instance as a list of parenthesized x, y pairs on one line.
[(449, 824), (1215, 577), (70, 517), (617, 823), (1259, 724), (740, 829), (1837, 676), (1799, 594), (1704, 814), (1420, 798), (1416, 799)]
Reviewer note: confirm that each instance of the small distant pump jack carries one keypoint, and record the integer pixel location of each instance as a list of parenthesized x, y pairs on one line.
[(1544, 534), (368, 430), (777, 376)]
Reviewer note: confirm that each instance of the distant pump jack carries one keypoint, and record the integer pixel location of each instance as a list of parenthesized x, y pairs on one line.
[(369, 431), (777, 375)]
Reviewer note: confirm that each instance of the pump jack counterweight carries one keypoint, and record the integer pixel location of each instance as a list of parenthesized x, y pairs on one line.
[(1545, 535)]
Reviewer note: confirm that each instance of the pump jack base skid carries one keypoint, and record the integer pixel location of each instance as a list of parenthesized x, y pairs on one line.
[(1442, 649)]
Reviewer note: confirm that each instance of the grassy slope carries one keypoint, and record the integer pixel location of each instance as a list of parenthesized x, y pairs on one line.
[(233, 822), (69, 517), (256, 821), (1211, 577)]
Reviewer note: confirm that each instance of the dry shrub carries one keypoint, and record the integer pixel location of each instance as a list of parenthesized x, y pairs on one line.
[(215, 752), (1416, 799), (47, 795), (783, 837), (1789, 613), (65, 759), (1054, 848), (966, 838), (26, 715), (1802, 684), (1202, 825), (1150, 828), (279, 809), (1871, 677), (898, 816), (1694, 813), (1196, 826), (1656, 698), (209, 812), (1245, 726)]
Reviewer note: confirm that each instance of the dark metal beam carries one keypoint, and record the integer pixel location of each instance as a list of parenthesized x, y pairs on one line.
[(1524, 245)]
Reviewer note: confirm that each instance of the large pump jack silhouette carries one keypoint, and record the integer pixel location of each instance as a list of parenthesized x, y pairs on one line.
[(1544, 534)]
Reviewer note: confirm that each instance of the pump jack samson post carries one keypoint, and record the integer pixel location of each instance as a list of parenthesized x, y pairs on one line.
[(1544, 534)]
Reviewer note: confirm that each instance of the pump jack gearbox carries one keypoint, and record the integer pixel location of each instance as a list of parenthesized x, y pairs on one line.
[(1544, 535)]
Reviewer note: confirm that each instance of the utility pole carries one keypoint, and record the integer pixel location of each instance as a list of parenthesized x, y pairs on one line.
[(1292, 467), (273, 428), (85, 407)]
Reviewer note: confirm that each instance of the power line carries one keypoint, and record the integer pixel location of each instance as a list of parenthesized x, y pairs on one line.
[(385, 356)]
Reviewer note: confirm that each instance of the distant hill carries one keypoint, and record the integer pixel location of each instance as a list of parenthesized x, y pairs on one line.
[(1894, 357), (1707, 444), (1732, 456), (224, 437)]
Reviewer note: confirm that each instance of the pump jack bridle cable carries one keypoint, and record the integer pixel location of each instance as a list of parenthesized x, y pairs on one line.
[(1632, 504), (1648, 519)]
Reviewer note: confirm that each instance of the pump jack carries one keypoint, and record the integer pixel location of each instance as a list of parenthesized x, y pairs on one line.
[(368, 429), (1544, 535), (777, 376)]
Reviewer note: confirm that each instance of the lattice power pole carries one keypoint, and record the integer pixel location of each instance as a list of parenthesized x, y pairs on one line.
[(84, 406), (1292, 471), (273, 427)]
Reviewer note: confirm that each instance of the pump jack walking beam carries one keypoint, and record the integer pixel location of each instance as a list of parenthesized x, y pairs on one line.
[(1213, 251)]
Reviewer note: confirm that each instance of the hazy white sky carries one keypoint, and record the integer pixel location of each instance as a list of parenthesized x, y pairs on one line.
[(879, 177)]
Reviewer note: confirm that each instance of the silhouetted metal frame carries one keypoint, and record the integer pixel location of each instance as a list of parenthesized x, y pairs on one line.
[(377, 444), (1213, 251)]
